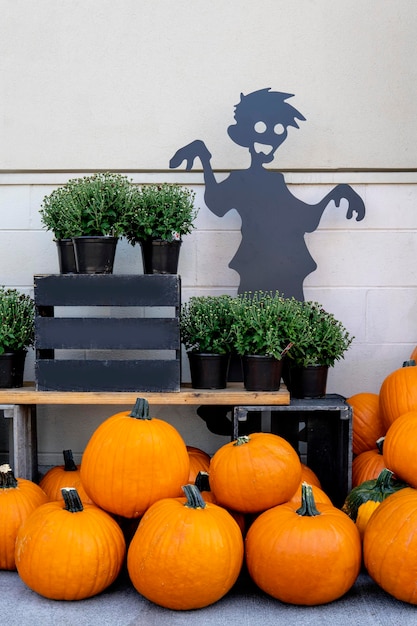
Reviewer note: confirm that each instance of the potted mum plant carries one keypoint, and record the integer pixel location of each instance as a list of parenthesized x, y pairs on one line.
[(89, 213), (319, 340), (17, 334), (260, 337), (205, 325), (163, 214)]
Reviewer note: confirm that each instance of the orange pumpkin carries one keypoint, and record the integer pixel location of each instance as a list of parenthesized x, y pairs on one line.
[(67, 475), (70, 551), (306, 555), (309, 476), (400, 448), (367, 425), (254, 472), (368, 465), (18, 498), (132, 460), (319, 495), (398, 393), (390, 545), (186, 553), (199, 462)]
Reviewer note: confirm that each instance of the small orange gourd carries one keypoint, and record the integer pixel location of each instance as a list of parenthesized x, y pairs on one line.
[(69, 551), (186, 553)]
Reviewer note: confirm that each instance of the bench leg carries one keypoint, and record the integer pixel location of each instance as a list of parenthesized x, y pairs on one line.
[(25, 445)]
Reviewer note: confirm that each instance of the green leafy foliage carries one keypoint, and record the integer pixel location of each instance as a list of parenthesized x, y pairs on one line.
[(163, 211), (205, 324), (91, 205), (17, 320)]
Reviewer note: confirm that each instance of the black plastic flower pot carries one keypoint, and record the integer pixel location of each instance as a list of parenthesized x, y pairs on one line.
[(95, 255), (261, 373), (66, 256), (208, 371), (308, 382), (160, 257), (12, 366)]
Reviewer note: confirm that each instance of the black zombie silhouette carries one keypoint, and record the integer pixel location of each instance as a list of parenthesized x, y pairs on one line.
[(272, 255)]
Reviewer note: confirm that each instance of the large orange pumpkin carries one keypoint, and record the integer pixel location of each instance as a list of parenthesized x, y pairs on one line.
[(398, 393), (69, 551), (18, 498), (306, 555), (186, 553), (400, 448), (132, 460), (254, 472), (390, 545), (367, 425), (66, 475)]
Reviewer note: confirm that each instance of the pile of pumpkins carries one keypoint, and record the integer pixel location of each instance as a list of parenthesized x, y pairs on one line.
[(186, 525)]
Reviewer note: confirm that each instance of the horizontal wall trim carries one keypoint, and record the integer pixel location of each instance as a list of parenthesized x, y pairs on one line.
[(296, 177)]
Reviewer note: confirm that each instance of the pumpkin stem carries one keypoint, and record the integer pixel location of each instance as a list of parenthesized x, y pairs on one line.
[(202, 481), (72, 500), (308, 506), (69, 465), (7, 478), (194, 497), (380, 444), (242, 440), (410, 363), (141, 409), (384, 481)]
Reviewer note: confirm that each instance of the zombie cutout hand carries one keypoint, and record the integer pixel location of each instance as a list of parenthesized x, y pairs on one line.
[(272, 255)]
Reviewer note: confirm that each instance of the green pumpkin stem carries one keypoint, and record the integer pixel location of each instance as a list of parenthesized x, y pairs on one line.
[(194, 497), (7, 478), (240, 441), (410, 363), (72, 500), (202, 481), (141, 409), (308, 506), (69, 465)]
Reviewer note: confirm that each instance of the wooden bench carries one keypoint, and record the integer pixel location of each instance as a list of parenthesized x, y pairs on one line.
[(20, 405)]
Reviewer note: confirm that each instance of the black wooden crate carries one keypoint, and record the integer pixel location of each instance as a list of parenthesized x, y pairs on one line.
[(320, 430), (138, 334)]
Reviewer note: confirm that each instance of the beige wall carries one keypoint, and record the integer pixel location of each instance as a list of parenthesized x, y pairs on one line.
[(97, 84)]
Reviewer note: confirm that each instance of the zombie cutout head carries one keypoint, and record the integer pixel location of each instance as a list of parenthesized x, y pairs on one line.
[(262, 119), (272, 255)]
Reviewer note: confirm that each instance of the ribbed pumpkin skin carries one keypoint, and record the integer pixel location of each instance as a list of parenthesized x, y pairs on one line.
[(309, 476), (130, 463), (16, 504), (183, 558), (400, 448), (69, 556), (390, 545), (199, 462), (301, 559), (256, 475), (398, 394), (56, 478), (367, 424), (366, 466)]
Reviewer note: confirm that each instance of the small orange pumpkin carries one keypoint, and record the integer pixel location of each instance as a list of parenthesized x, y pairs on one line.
[(18, 498), (254, 472), (199, 462), (66, 475), (367, 425), (69, 551), (309, 476), (186, 553), (398, 393), (305, 555), (368, 464)]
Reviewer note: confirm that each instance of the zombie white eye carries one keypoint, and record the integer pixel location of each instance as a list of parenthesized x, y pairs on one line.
[(260, 127), (279, 129)]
